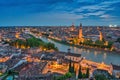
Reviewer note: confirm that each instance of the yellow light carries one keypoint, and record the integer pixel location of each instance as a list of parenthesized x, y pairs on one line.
[(0, 73), (44, 49)]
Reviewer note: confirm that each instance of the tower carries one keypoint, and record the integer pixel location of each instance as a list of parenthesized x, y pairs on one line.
[(80, 35), (100, 34), (80, 32), (17, 34), (72, 27)]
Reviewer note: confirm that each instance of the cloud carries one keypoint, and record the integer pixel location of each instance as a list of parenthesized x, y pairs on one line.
[(103, 9), (14, 3), (95, 7), (95, 13), (90, 1), (110, 2), (62, 9), (107, 16)]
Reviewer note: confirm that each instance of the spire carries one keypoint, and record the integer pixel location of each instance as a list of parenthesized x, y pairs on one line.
[(80, 32), (81, 25), (72, 25)]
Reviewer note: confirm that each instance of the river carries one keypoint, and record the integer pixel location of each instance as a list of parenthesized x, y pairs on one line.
[(90, 54)]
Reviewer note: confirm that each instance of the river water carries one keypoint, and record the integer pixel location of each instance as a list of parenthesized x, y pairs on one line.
[(90, 54)]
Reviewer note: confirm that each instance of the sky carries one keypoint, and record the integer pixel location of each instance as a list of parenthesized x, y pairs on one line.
[(59, 12)]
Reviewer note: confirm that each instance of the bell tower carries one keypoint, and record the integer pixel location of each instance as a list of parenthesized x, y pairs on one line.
[(80, 32), (100, 34)]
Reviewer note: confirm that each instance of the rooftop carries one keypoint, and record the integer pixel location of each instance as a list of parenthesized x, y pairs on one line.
[(116, 67)]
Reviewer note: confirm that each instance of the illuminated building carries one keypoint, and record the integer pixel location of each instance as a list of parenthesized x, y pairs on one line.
[(17, 35), (72, 27), (80, 32), (106, 43), (80, 35), (72, 57), (100, 34)]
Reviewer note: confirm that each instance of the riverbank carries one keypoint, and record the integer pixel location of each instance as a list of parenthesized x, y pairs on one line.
[(89, 54), (79, 46)]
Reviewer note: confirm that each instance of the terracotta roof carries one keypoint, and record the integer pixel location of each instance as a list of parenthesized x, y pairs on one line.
[(73, 54), (68, 54)]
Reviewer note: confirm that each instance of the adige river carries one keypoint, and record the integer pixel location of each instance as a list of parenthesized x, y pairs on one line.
[(90, 54)]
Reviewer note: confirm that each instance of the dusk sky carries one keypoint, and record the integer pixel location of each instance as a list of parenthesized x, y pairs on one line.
[(59, 12)]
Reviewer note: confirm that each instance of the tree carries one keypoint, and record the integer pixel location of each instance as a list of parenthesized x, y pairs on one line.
[(64, 77), (100, 77), (68, 75), (10, 73), (72, 69), (87, 73), (99, 43), (83, 75), (110, 43), (118, 40), (32, 42), (80, 73), (70, 66)]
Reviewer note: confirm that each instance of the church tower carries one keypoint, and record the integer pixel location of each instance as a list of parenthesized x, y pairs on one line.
[(80, 32), (72, 27), (100, 34)]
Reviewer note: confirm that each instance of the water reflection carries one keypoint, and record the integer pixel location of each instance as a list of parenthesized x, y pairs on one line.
[(95, 53), (105, 55), (97, 56)]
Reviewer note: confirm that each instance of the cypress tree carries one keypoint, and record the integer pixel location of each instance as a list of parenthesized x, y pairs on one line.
[(70, 67), (73, 68), (80, 73), (87, 73)]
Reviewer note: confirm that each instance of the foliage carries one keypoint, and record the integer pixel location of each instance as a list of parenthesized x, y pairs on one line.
[(33, 42), (97, 43), (83, 75), (80, 73), (64, 77), (118, 40), (87, 42), (87, 73), (10, 73), (110, 43), (71, 68), (68, 75), (100, 77)]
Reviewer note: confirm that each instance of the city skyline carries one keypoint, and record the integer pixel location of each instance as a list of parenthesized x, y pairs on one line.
[(59, 12)]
